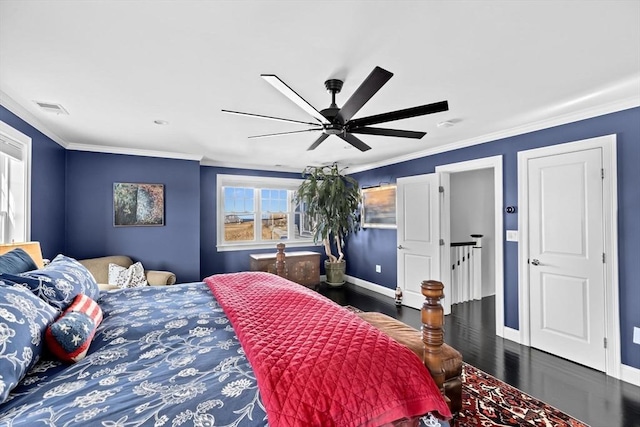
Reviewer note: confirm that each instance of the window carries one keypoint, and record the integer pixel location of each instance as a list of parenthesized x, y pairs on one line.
[(257, 212), (15, 156)]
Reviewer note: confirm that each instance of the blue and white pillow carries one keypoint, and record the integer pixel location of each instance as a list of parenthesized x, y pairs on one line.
[(16, 261), (59, 282), (23, 321)]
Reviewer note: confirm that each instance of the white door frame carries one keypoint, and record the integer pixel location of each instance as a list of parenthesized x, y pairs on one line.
[(610, 207), (494, 162)]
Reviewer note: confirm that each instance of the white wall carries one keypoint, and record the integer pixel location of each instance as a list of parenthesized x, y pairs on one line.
[(473, 212)]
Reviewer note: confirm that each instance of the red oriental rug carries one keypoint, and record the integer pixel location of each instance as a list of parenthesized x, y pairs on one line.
[(489, 402)]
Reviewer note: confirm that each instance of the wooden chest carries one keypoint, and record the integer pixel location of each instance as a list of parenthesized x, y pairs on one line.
[(302, 267)]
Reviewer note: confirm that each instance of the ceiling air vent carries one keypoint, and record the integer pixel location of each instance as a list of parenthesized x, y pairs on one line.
[(52, 108)]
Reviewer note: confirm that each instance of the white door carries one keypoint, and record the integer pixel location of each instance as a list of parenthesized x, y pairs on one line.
[(418, 239), (566, 246)]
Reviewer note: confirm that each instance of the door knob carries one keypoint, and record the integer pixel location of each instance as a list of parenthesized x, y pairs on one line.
[(535, 262), (400, 247)]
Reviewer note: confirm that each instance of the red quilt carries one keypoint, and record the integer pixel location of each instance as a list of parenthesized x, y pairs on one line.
[(317, 364)]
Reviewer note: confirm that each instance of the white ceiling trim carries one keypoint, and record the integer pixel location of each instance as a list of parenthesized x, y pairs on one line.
[(249, 166), (588, 113), (132, 152), (11, 105), (619, 105)]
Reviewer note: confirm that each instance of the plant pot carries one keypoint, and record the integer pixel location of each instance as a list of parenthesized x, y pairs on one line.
[(335, 272)]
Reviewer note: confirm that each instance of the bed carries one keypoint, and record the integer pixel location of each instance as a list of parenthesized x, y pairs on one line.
[(243, 349)]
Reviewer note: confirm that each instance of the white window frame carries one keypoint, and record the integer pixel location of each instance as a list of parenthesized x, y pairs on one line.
[(18, 145), (258, 183)]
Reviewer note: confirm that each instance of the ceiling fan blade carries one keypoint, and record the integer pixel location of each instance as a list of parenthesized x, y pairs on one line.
[(422, 110), (389, 132), (351, 139), (267, 135), (260, 116), (274, 81), (318, 142), (365, 91)]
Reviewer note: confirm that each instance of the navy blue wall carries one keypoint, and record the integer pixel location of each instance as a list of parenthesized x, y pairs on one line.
[(47, 186), (89, 226), (212, 261), (187, 244), (374, 246)]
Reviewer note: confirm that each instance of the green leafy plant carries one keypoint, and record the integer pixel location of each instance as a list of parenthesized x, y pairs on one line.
[(331, 202)]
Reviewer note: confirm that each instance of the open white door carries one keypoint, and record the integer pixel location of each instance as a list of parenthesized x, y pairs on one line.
[(419, 249)]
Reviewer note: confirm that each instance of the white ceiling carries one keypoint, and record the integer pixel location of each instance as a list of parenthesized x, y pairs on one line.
[(504, 66)]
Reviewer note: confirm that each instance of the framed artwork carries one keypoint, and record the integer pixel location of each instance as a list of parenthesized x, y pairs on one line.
[(379, 207), (138, 204)]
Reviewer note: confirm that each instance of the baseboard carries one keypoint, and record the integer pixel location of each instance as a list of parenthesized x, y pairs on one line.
[(391, 293), (630, 374), (511, 334)]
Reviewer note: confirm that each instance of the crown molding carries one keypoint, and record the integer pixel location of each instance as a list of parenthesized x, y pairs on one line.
[(132, 151), (11, 105), (587, 113), (612, 107), (17, 109), (234, 165)]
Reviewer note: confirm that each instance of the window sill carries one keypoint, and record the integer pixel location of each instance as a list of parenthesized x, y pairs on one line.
[(265, 245)]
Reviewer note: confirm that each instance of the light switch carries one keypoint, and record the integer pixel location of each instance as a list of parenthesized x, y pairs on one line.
[(636, 335), (512, 235)]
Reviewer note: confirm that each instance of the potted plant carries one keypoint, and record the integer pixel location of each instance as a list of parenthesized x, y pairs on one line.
[(330, 200)]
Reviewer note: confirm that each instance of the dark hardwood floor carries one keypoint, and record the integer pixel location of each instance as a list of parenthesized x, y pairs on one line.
[(584, 393)]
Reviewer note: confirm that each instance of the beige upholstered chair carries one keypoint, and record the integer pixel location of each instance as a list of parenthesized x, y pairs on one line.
[(99, 268)]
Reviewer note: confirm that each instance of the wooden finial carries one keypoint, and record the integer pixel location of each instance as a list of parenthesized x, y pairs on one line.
[(280, 261), (432, 329)]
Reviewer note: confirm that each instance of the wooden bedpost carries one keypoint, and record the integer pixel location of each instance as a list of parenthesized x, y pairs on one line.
[(432, 329), (280, 262)]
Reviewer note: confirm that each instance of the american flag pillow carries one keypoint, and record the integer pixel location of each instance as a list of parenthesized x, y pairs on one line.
[(69, 337)]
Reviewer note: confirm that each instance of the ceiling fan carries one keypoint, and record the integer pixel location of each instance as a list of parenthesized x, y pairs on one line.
[(338, 121)]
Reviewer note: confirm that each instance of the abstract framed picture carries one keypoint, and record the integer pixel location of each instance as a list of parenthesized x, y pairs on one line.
[(138, 204), (379, 207)]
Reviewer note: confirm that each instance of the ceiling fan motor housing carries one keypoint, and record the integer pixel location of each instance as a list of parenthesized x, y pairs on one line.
[(336, 126), (333, 85)]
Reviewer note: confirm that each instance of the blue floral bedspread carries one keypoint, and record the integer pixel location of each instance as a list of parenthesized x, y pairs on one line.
[(162, 356)]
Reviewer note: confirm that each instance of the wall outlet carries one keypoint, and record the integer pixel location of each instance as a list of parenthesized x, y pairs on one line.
[(378, 268), (512, 235), (636, 335)]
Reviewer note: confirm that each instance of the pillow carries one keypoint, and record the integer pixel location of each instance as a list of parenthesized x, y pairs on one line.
[(59, 282), (16, 261), (132, 277), (23, 320), (70, 336)]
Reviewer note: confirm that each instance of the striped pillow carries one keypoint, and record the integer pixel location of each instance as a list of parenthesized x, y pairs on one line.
[(70, 336)]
